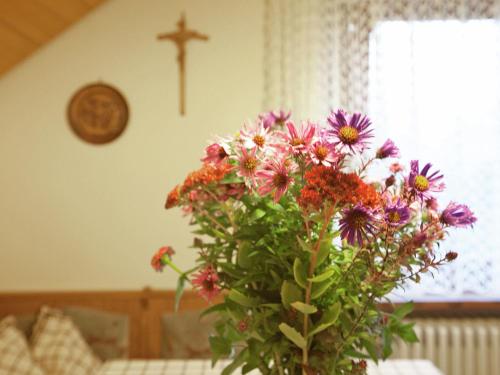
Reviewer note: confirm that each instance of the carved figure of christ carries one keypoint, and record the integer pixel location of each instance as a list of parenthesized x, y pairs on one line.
[(180, 38)]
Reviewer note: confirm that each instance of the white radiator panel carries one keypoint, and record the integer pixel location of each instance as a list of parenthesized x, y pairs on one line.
[(456, 346)]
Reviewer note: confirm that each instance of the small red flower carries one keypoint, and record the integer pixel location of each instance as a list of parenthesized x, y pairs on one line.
[(243, 325), (157, 261), (206, 282)]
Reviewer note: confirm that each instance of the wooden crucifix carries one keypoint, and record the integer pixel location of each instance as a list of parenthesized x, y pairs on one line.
[(180, 38)]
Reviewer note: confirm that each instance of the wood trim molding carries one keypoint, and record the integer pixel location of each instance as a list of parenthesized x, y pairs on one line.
[(146, 307)]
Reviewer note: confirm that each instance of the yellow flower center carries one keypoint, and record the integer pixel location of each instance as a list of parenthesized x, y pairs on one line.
[(297, 142), (358, 220), (259, 140), (321, 152), (394, 217), (250, 164), (348, 135), (421, 183)]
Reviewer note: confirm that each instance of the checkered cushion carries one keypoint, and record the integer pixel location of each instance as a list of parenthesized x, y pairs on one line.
[(15, 357), (59, 347)]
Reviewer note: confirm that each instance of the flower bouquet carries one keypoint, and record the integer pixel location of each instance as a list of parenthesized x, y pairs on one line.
[(299, 248)]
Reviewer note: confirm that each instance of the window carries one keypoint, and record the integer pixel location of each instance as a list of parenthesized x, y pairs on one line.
[(434, 87), (428, 74)]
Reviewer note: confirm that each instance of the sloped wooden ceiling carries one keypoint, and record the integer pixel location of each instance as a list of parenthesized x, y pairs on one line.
[(26, 25)]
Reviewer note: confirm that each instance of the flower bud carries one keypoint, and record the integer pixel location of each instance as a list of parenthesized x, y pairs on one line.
[(389, 181), (451, 255)]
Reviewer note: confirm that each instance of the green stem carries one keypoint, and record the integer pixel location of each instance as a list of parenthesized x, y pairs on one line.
[(312, 266), (278, 363), (168, 262)]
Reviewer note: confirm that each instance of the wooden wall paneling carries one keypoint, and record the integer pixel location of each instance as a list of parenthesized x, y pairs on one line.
[(31, 19), (67, 10), (29, 24)]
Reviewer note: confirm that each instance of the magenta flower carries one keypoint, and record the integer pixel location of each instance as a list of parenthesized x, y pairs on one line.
[(158, 262), (388, 150), (457, 215), (300, 139), (422, 184), (276, 177), (356, 222), (396, 214), (216, 153), (350, 131), (322, 153), (206, 282)]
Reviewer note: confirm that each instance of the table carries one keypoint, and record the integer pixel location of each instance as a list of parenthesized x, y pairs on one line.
[(202, 367)]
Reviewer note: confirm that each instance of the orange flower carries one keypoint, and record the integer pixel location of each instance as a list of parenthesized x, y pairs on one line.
[(172, 198), (157, 261), (205, 175), (327, 184)]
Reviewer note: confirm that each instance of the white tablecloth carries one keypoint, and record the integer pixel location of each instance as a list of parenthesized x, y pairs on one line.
[(202, 367)]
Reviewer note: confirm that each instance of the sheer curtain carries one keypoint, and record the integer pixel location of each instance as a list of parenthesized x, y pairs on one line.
[(428, 74)]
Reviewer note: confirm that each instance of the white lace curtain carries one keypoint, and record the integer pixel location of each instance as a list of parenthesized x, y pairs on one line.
[(428, 74)]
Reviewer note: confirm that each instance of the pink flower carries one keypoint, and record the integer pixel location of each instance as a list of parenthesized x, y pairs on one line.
[(257, 136), (396, 167), (322, 153), (248, 163), (276, 177), (206, 282), (300, 139), (158, 262), (216, 153)]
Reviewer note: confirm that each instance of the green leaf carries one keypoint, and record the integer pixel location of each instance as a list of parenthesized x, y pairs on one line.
[(371, 348), (306, 247), (407, 333), (329, 317), (275, 206), (324, 251), (179, 290), (319, 288), (387, 343), (237, 362), (304, 308), (243, 300), (290, 293), (324, 276), (257, 214), (300, 273), (219, 347), (404, 309), (243, 258), (294, 336), (213, 309)]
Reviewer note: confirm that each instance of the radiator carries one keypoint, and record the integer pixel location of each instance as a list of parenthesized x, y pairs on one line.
[(456, 346)]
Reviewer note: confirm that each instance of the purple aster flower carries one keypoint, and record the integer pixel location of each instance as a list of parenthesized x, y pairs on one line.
[(457, 215), (388, 150), (270, 119), (396, 214), (350, 131), (423, 184), (281, 117), (267, 119), (355, 224)]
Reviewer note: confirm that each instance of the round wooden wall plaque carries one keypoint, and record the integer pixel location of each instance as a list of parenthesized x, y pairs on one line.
[(98, 113)]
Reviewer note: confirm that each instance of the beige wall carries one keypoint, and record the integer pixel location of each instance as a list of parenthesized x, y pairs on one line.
[(78, 216)]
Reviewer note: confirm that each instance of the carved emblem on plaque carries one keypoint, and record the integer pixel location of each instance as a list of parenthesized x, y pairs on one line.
[(98, 113)]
